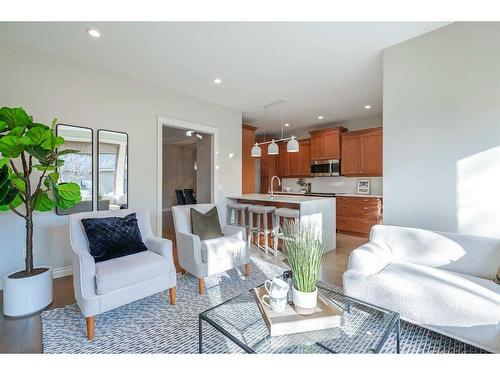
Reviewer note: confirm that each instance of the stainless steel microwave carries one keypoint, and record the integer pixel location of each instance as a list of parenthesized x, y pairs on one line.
[(325, 168)]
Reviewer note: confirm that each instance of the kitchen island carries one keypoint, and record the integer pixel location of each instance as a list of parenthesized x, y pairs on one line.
[(319, 211)]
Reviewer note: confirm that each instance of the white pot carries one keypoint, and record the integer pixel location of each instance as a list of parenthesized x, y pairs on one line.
[(305, 303), (27, 295)]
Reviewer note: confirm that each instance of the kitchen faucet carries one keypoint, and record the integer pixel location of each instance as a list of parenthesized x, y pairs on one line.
[(272, 180)]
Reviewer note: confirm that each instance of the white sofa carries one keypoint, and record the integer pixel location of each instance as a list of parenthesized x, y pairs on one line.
[(103, 286), (442, 281), (208, 257)]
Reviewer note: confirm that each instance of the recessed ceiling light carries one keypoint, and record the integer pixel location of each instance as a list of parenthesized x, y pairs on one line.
[(320, 117), (94, 33), (368, 106), (217, 81), (287, 124)]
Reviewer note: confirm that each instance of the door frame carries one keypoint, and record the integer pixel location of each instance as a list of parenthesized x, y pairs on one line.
[(173, 122)]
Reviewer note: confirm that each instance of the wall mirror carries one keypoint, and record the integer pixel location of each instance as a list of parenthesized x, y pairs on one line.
[(112, 170), (77, 167)]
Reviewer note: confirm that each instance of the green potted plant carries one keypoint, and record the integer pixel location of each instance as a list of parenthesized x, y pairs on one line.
[(304, 250), (29, 182)]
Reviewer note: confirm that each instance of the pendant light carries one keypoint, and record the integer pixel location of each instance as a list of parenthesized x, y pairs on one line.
[(292, 145), (273, 148), (256, 151)]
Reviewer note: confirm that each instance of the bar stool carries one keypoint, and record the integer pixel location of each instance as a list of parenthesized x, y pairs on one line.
[(236, 208), (260, 211), (287, 214)]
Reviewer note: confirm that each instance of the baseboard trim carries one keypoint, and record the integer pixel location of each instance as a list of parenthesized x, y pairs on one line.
[(56, 273)]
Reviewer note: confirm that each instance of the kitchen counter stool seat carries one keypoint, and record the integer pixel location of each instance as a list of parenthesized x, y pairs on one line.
[(235, 208), (261, 212), (287, 214)]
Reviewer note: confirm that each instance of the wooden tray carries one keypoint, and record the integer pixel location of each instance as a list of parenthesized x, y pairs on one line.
[(326, 316)]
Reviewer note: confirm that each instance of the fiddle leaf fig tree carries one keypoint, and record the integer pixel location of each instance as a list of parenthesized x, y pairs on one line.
[(29, 180)]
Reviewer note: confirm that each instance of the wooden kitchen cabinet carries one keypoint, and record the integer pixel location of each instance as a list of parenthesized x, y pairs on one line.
[(357, 215), (325, 143), (247, 161), (371, 153), (282, 160), (362, 153), (295, 164), (305, 157)]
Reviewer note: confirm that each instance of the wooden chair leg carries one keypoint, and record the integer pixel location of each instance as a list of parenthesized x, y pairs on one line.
[(90, 328), (172, 296), (201, 285), (247, 269), (183, 271)]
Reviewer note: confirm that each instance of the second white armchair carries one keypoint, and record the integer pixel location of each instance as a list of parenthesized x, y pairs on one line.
[(202, 258)]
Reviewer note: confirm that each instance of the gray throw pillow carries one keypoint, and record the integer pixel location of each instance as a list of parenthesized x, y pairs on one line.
[(206, 226)]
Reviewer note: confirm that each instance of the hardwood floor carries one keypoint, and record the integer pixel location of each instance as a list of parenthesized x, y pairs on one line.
[(24, 335)]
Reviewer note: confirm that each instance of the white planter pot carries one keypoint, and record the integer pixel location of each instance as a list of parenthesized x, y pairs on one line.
[(305, 303), (27, 295)]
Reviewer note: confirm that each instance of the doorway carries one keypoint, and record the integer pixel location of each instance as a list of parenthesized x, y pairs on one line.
[(186, 174)]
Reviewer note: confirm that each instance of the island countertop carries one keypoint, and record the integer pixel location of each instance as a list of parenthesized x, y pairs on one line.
[(297, 199), (318, 211)]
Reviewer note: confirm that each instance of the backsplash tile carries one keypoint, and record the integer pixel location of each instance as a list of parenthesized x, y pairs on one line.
[(339, 184)]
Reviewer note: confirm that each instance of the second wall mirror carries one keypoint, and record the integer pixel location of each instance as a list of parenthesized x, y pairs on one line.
[(77, 167), (112, 170)]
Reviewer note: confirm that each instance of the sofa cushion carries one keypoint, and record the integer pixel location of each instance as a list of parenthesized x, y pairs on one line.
[(113, 237), (424, 294), (121, 272), (223, 247), (206, 225)]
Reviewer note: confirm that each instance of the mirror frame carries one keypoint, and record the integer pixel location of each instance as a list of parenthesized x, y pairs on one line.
[(92, 163), (98, 169)]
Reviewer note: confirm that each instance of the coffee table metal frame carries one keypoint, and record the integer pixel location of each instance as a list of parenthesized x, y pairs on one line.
[(394, 324)]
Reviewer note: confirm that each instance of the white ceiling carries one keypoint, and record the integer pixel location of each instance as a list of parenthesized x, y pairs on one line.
[(330, 69)]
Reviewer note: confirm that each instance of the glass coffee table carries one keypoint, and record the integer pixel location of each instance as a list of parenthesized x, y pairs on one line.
[(366, 327)]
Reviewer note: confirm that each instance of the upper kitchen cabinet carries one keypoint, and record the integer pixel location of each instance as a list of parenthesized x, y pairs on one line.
[(295, 164), (325, 143), (282, 160), (305, 157), (362, 153), (248, 162)]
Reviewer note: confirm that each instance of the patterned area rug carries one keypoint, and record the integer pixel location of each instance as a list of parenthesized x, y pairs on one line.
[(152, 325)]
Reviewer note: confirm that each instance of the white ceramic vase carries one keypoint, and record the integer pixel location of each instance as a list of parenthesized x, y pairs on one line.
[(305, 303), (27, 295)]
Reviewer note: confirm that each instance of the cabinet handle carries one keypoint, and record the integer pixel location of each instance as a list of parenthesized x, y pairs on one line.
[(365, 208)]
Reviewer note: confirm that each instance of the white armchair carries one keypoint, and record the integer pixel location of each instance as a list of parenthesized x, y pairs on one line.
[(103, 286), (208, 257)]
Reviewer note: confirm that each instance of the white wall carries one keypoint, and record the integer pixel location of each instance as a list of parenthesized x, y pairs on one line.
[(442, 130), (49, 87)]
